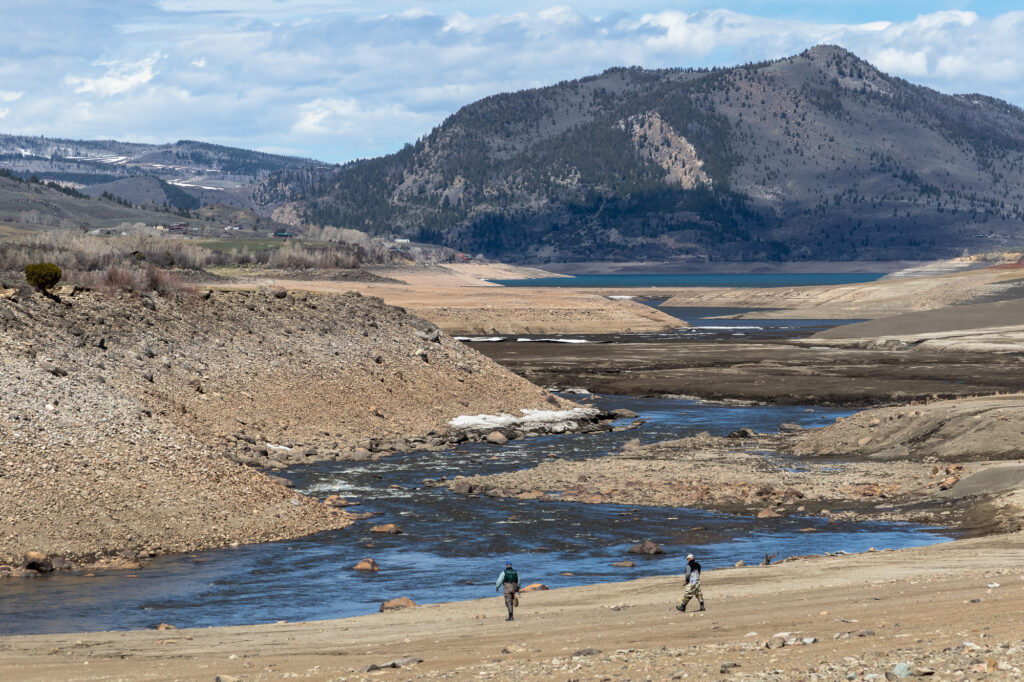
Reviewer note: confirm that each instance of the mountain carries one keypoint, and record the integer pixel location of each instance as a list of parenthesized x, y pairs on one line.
[(817, 156), (182, 175)]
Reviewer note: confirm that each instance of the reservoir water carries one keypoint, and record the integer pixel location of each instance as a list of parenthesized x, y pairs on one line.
[(621, 281), (452, 546)]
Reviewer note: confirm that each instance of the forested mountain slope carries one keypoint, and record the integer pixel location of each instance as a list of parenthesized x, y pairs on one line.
[(817, 156)]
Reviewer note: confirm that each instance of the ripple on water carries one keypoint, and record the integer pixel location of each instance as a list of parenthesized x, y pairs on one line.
[(452, 546)]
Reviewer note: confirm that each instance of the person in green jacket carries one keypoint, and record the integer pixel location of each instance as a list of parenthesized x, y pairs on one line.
[(509, 580)]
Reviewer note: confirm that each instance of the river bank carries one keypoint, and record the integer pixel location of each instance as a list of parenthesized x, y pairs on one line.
[(128, 419), (862, 614)]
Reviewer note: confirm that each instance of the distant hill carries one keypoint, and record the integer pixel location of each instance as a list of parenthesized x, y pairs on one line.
[(817, 156), (183, 174)]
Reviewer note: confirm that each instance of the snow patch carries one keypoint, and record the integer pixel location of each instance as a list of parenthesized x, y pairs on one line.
[(546, 421), (480, 339), (526, 340)]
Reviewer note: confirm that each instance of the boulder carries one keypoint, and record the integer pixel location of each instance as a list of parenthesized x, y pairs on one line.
[(535, 587), (366, 565), (646, 547), (38, 562), (623, 413), (496, 438), (789, 426), (624, 564), (389, 528), (397, 604), (461, 488), (768, 513), (745, 432)]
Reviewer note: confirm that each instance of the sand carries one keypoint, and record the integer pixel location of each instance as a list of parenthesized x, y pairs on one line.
[(867, 612), (462, 303)]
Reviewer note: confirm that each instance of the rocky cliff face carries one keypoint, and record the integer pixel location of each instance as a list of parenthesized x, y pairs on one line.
[(121, 416), (817, 156)]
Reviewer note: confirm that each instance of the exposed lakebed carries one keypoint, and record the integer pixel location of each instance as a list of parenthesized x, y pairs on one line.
[(451, 547)]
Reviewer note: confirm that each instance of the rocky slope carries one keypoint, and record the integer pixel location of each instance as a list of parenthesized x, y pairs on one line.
[(117, 412), (816, 156)]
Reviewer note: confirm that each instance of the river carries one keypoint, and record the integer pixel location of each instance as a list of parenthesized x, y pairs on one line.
[(452, 547)]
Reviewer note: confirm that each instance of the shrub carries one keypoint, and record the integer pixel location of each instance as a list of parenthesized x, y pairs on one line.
[(43, 276)]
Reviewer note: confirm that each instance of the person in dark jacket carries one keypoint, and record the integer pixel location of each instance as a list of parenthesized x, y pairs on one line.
[(509, 581), (692, 580)]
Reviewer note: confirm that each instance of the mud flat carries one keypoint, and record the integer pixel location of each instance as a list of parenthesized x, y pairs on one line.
[(950, 610), (782, 372), (869, 300), (463, 303)]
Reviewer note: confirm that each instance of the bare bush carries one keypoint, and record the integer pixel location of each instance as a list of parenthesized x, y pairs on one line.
[(119, 280)]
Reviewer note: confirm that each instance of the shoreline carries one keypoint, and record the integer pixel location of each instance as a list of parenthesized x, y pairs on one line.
[(879, 609)]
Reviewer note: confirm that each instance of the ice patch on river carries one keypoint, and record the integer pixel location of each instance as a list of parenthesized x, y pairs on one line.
[(546, 421)]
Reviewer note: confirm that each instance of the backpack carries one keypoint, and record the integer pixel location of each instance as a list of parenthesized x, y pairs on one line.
[(511, 576)]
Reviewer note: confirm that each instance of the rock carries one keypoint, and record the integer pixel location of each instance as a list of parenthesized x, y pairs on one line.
[(397, 604), (624, 564), (166, 626), (739, 563), (788, 426), (434, 335), (421, 354), (623, 413), (745, 432), (768, 513), (646, 547), (725, 667), (366, 565), (8, 293), (38, 562), (809, 640), (280, 481), (389, 528), (54, 369), (587, 652), (496, 438), (225, 678), (901, 670), (949, 482), (535, 587), (461, 488)]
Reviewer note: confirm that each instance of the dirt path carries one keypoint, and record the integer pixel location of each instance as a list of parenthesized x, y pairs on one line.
[(931, 607)]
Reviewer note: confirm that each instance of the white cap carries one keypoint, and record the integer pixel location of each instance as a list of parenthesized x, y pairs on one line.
[(689, 557)]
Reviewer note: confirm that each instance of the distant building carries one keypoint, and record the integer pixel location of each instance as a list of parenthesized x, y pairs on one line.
[(402, 241)]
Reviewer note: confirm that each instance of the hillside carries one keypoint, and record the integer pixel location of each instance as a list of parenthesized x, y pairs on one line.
[(817, 156), (39, 206), (182, 174), (122, 415)]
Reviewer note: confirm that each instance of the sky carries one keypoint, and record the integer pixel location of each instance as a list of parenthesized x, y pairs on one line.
[(342, 80)]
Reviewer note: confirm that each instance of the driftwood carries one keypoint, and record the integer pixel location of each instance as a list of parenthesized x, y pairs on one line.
[(768, 558)]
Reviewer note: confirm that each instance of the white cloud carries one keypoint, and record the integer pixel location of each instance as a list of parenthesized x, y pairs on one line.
[(337, 79), (892, 60), (119, 77)]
